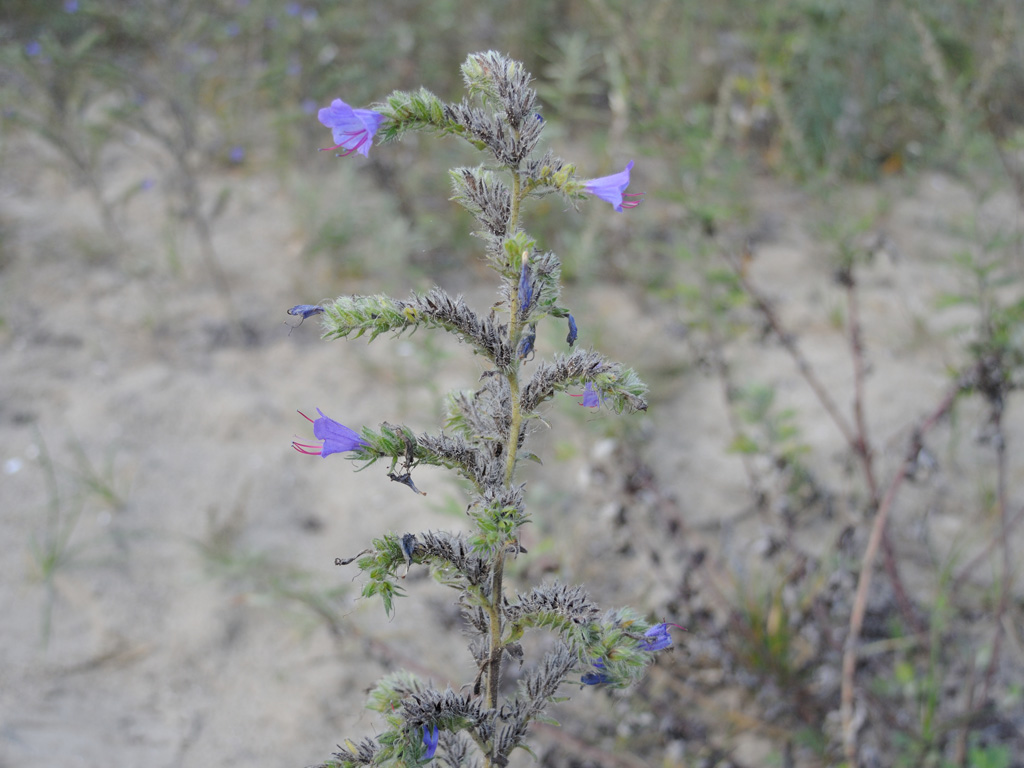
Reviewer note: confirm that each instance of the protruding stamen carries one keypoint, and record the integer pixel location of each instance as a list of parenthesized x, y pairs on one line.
[(632, 203)]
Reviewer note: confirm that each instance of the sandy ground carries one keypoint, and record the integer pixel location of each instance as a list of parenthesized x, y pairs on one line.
[(177, 631)]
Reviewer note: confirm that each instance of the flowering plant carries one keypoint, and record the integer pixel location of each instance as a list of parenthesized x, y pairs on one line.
[(486, 433)]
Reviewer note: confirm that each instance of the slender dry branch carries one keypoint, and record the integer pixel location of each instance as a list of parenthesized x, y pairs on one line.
[(999, 438), (790, 345), (867, 564), (865, 453), (985, 555), (855, 435)]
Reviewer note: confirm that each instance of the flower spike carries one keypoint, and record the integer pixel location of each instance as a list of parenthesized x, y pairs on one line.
[(353, 129)]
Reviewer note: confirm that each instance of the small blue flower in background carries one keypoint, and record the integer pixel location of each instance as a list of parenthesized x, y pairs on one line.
[(590, 397), (237, 154), (71, 6), (409, 544), (337, 438), (352, 129), (525, 288), (306, 310), (571, 338), (595, 678), (302, 311), (611, 189), (659, 637), (309, 106), (293, 9), (33, 48), (430, 739), (526, 343), (147, 184), (232, 29)]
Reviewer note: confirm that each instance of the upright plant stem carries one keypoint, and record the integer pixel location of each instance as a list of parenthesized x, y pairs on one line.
[(511, 449)]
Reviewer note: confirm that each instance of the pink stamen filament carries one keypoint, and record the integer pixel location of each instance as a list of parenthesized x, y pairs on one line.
[(632, 203), (362, 141), (309, 450)]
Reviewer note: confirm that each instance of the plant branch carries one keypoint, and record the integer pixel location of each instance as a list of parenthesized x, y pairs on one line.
[(862, 445), (999, 438), (494, 606), (867, 563), (789, 344)]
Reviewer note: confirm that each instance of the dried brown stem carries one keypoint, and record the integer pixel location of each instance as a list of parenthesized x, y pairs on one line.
[(855, 436), (862, 447), (999, 439), (866, 571), (802, 363), (985, 554)]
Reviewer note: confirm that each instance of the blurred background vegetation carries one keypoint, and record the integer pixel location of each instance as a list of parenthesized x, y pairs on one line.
[(705, 94), (130, 95)]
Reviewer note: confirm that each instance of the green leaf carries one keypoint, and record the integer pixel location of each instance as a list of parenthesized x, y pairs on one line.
[(744, 445)]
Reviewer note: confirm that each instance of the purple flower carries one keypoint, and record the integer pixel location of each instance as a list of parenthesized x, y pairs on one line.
[(659, 637), (430, 739), (529, 336), (353, 129), (33, 48), (595, 678), (71, 6), (611, 189), (337, 438), (409, 544), (406, 479), (303, 311), (590, 397), (237, 154), (571, 338), (525, 288)]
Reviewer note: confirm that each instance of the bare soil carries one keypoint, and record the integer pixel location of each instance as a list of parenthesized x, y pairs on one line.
[(196, 616)]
